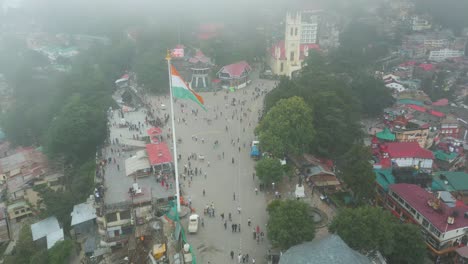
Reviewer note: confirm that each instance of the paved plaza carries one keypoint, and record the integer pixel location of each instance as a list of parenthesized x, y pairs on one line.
[(224, 179)]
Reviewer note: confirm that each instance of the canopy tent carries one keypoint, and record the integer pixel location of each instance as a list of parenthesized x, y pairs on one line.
[(138, 164), (386, 134), (254, 152)]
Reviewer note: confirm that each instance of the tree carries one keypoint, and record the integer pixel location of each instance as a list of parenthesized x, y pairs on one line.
[(370, 229), (24, 249), (366, 229), (357, 173), (269, 170), (290, 223), (372, 94), (287, 128), (61, 252), (409, 247), (76, 131), (151, 69)]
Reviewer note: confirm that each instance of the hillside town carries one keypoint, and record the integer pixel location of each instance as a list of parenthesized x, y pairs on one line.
[(315, 133)]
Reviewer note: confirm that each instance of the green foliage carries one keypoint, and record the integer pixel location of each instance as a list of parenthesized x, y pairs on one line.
[(25, 249), (357, 173), (287, 128), (151, 69), (290, 223), (59, 203), (76, 131), (372, 94), (370, 229), (60, 252), (366, 229), (450, 13), (412, 250), (40, 257), (269, 170)]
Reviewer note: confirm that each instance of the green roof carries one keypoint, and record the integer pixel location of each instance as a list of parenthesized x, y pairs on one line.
[(457, 180), (410, 101), (384, 177), (386, 134), (441, 155)]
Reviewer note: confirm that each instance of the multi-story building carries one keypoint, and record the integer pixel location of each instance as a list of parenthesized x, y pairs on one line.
[(4, 225), (444, 228), (408, 134), (18, 211), (420, 24), (309, 26), (443, 54)]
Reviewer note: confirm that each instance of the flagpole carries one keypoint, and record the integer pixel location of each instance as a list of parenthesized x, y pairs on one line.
[(176, 169)]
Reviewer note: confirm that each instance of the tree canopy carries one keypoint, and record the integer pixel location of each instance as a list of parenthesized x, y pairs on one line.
[(290, 223), (357, 173), (287, 127), (370, 229), (76, 131), (269, 170)]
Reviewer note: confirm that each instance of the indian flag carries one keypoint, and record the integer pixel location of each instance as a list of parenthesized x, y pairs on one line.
[(181, 90)]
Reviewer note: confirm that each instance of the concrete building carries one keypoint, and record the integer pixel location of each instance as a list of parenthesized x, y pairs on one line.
[(443, 227), (47, 232), (4, 225), (412, 134), (443, 54), (402, 154), (18, 211), (420, 24)]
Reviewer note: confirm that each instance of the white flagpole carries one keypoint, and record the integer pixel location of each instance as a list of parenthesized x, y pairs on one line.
[(176, 169)]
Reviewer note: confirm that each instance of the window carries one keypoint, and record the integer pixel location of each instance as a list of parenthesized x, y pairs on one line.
[(125, 215), (425, 223), (291, 33), (281, 70), (295, 32), (22, 210), (112, 217), (292, 56)]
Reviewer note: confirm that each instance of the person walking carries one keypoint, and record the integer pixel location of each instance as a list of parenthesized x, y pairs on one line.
[(238, 209), (256, 191), (253, 260), (254, 234), (247, 258), (230, 218), (239, 258), (222, 216), (239, 227), (203, 192), (225, 225), (234, 196), (232, 254), (249, 221)]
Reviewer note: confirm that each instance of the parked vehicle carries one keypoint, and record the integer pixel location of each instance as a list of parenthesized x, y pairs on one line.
[(193, 224), (254, 150)]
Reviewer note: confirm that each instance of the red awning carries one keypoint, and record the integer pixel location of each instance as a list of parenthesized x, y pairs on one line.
[(158, 153), (153, 131)]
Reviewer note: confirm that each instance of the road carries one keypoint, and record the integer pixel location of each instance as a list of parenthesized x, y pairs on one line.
[(213, 243)]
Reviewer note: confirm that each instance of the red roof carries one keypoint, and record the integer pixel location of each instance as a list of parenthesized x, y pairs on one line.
[(436, 113), (158, 153), (408, 63), (199, 57), (282, 51), (417, 197), (417, 108), (236, 69), (426, 66), (407, 150), (441, 102), (152, 131)]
